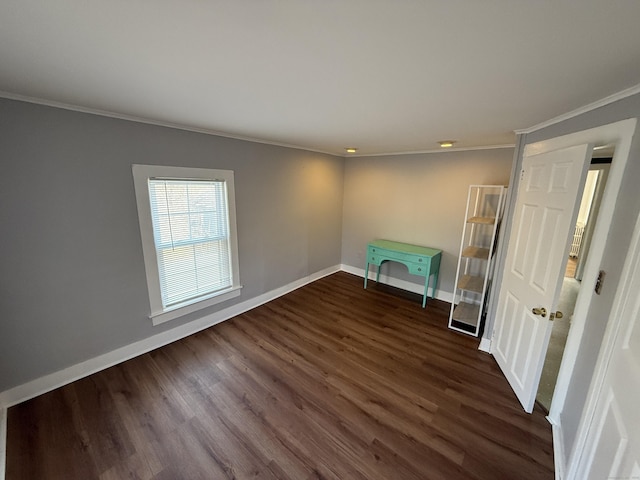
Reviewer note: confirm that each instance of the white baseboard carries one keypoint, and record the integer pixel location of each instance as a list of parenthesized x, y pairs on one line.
[(65, 376), (485, 345), (62, 377), (395, 282), (3, 441), (559, 459)]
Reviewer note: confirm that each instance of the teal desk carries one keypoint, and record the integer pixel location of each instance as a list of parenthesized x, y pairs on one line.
[(423, 261)]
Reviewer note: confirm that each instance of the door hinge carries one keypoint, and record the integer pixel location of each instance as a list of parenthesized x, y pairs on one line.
[(599, 281)]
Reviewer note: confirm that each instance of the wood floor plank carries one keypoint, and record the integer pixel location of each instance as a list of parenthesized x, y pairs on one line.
[(328, 382)]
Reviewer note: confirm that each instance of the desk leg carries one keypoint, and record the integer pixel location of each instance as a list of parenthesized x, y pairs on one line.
[(426, 290), (435, 284), (378, 274), (366, 275)]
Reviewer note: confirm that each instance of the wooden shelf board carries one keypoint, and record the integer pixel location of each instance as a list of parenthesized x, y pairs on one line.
[(466, 313), (471, 283), (482, 220), (476, 252)]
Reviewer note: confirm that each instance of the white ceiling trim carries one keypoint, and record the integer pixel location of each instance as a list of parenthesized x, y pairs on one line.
[(587, 108), (302, 74), (148, 121), (439, 150)]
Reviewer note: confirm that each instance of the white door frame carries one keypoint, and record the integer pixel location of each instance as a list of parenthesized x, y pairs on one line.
[(620, 134), (616, 325)]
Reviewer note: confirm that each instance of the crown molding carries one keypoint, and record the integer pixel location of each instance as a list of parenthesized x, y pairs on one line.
[(132, 118), (579, 111), (439, 150), (205, 131), (150, 121)]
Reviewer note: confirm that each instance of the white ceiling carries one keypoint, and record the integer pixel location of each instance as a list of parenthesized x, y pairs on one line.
[(384, 76)]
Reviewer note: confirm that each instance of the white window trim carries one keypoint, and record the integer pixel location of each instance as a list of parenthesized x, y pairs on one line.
[(141, 175)]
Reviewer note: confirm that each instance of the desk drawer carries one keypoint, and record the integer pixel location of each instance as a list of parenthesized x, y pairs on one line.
[(418, 269), (375, 258), (381, 253)]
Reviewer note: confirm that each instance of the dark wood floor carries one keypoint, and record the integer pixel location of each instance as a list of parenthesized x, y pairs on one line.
[(328, 382)]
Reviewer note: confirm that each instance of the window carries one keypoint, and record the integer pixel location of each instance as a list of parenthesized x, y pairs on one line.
[(187, 225)]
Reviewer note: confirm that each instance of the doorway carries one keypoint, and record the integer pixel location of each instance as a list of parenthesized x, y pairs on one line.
[(571, 409), (572, 282)]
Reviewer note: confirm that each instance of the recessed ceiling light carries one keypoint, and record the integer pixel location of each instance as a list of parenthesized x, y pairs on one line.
[(351, 149), (446, 143)]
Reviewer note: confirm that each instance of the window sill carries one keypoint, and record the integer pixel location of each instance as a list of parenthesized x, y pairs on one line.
[(179, 311)]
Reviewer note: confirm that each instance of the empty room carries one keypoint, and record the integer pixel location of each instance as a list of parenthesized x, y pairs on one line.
[(319, 240)]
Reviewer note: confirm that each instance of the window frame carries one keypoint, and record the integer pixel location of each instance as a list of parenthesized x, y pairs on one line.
[(141, 175)]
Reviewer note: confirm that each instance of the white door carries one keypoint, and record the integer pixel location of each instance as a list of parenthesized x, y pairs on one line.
[(612, 449), (544, 218)]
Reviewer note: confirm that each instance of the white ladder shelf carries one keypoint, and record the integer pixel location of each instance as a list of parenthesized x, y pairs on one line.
[(485, 204)]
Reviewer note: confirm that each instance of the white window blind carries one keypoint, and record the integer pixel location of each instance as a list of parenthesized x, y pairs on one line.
[(191, 234)]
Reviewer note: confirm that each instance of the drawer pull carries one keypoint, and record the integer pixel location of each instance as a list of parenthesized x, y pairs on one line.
[(419, 259), (419, 269)]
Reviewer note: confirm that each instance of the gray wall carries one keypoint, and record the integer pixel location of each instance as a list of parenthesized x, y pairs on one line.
[(72, 279), (417, 199), (623, 222)]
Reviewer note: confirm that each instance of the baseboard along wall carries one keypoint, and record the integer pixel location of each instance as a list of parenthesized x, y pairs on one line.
[(559, 460), (49, 382), (395, 282), (70, 374), (3, 441)]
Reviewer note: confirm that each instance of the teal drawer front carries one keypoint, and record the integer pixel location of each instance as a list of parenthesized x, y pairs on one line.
[(398, 256), (418, 269)]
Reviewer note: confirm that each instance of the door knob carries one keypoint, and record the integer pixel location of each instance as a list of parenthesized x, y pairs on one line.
[(540, 311)]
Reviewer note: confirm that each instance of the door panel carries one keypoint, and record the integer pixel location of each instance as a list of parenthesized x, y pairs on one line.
[(531, 336), (523, 240), (611, 440), (545, 211), (504, 334), (542, 278)]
